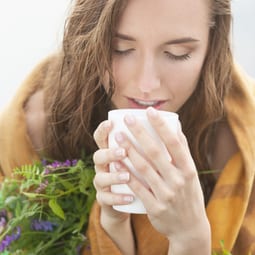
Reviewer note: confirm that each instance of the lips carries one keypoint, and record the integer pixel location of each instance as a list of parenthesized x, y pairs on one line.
[(139, 103), (146, 103)]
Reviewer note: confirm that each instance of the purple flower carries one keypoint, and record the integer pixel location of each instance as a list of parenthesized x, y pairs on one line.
[(55, 164), (3, 213), (74, 162), (78, 249), (67, 163), (40, 225), (17, 234), (2, 223), (9, 239), (44, 162), (46, 171), (42, 186), (48, 168)]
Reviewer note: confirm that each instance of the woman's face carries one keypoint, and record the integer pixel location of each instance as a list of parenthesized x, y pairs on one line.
[(158, 52)]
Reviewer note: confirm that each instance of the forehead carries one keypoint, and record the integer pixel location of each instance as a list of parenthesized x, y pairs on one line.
[(177, 16)]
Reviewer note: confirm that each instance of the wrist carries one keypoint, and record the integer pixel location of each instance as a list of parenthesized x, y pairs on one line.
[(196, 241), (120, 231), (113, 221)]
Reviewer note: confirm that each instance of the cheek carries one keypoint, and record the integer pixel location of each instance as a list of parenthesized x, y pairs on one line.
[(116, 71), (193, 74), (124, 69), (120, 72), (183, 82), (184, 77)]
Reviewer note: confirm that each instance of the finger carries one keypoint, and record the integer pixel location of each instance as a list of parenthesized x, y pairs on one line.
[(159, 193), (110, 199), (101, 134), (104, 157), (176, 146), (103, 180), (153, 149), (144, 171), (147, 196)]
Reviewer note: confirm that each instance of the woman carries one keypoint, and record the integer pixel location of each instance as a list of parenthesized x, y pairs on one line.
[(166, 55)]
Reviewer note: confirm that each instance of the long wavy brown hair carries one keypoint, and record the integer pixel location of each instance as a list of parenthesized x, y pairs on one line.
[(76, 102)]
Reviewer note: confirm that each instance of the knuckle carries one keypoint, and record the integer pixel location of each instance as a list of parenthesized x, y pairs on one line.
[(169, 196), (103, 157), (142, 167), (189, 175), (99, 157), (139, 130), (153, 181), (174, 142), (179, 185), (98, 197), (154, 152), (116, 199), (158, 210), (96, 134), (95, 156), (95, 183), (136, 185), (100, 134), (158, 122), (126, 143)]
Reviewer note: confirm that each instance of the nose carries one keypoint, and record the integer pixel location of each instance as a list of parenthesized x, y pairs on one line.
[(148, 78)]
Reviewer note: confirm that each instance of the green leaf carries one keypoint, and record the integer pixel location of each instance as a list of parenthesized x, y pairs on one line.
[(86, 180), (69, 194), (31, 195), (68, 185), (5, 253), (9, 200), (56, 208)]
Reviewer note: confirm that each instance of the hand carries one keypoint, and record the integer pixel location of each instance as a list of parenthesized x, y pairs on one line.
[(116, 224), (104, 178), (173, 199)]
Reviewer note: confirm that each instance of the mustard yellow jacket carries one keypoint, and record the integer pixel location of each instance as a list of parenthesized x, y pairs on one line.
[(231, 209)]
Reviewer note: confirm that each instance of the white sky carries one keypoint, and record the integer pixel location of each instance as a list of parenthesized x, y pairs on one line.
[(31, 29)]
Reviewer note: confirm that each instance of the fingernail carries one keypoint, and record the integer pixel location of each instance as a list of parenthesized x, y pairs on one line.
[(117, 166), (123, 176), (119, 137), (152, 112), (129, 119), (120, 152), (128, 199)]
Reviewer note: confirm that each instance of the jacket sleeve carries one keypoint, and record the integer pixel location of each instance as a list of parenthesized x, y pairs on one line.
[(148, 240), (100, 242)]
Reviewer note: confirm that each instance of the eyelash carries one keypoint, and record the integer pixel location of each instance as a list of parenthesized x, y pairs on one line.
[(168, 54), (123, 52), (177, 58)]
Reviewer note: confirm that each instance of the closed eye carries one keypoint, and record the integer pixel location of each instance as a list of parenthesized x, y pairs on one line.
[(177, 57), (123, 52)]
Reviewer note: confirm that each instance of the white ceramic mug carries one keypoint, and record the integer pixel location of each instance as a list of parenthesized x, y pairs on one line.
[(117, 118)]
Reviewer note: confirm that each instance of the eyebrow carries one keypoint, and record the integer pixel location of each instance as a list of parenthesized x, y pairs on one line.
[(174, 41), (182, 40)]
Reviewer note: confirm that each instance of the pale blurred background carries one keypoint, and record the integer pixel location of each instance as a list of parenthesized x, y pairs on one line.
[(32, 29)]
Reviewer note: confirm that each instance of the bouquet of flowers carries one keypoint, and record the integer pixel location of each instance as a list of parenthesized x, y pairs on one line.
[(45, 208)]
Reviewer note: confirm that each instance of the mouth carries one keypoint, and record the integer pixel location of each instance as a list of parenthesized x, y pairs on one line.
[(138, 103)]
